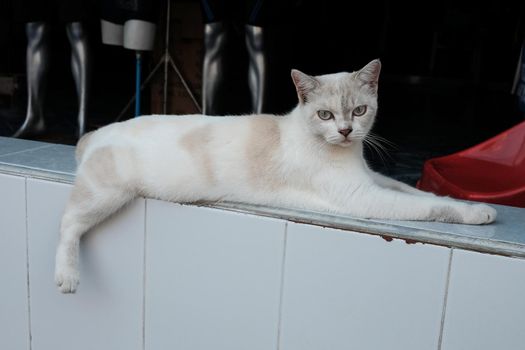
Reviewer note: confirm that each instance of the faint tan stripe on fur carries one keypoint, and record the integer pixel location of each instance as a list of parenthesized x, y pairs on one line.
[(263, 143), (197, 143), (111, 166), (100, 168)]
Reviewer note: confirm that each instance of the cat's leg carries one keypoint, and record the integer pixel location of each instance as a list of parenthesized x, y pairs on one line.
[(382, 203), (86, 208), (386, 182), (99, 191)]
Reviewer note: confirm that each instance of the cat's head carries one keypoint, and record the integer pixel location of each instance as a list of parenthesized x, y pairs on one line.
[(339, 108)]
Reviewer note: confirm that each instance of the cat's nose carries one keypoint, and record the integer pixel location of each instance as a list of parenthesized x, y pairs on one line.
[(345, 132)]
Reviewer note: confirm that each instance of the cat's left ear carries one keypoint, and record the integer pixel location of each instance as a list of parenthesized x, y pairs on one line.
[(369, 74), (304, 84)]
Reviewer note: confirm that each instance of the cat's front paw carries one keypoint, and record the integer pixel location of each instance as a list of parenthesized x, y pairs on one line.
[(67, 280), (463, 213), (479, 214)]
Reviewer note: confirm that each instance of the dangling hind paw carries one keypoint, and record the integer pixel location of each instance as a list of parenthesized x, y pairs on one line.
[(67, 280)]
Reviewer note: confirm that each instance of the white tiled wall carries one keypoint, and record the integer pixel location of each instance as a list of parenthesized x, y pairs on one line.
[(344, 290), (166, 276), (213, 279), (486, 303), (106, 311), (14, 320)]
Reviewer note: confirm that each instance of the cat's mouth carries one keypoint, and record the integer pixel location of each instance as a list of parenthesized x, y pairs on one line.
[(342, 142)]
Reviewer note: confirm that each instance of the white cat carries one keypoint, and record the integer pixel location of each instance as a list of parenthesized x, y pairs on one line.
[(311, 159)]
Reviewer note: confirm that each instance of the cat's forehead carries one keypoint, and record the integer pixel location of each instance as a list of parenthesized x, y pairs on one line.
[(341, 89), (341, 92), (338, 83)]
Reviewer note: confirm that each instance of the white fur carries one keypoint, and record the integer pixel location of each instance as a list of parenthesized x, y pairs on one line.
[(305, 162)]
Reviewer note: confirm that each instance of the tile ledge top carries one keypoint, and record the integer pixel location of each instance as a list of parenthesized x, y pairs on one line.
[(504, 237)]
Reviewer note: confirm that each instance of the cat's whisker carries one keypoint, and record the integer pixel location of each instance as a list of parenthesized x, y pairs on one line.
[(383, 143), (383, 140), (379, 149)]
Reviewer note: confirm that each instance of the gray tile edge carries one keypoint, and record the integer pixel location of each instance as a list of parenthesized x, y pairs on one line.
[(281, 287), (19, 170), (445, 299), (28, 272), (144, 274)]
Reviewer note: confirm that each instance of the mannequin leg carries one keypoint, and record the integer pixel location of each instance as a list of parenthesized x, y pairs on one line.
[(80, 66), (37, 63), (256, 67), (215, 36)]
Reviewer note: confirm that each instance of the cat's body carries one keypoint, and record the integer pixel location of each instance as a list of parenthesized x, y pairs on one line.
[(309, 159), (254, 159)]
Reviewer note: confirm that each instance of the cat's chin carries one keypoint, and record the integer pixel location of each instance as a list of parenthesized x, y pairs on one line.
[(345, 143)]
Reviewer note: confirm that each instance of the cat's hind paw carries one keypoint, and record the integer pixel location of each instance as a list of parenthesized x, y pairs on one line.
[(67, 280)]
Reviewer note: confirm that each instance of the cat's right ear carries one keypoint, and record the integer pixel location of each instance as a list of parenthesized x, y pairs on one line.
[(304, 84), (369, 74)]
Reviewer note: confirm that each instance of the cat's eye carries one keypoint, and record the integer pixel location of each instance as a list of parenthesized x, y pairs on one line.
[(359, 110), (325, 115)]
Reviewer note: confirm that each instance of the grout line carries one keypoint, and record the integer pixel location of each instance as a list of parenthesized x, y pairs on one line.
[(27, 267), (144, 277), (281, 292), (445, 300), (25, 150)]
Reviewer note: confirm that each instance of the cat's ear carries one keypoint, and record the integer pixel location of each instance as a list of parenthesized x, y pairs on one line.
[(369, 74), (304, 84)]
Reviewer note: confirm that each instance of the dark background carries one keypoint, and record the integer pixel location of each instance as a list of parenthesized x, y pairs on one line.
[(448, 70)]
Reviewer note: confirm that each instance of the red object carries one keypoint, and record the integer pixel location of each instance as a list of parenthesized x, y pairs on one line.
[(493, 171)]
